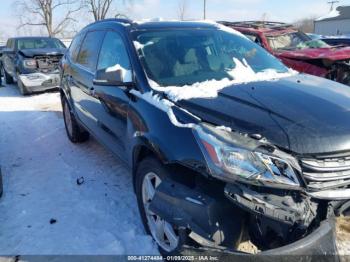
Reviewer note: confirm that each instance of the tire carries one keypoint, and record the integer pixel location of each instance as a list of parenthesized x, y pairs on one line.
[(22, 88), (146, 168), (75, 133), (8, 78)]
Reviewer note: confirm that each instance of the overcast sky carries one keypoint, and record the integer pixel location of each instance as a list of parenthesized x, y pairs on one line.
[(276, 10)]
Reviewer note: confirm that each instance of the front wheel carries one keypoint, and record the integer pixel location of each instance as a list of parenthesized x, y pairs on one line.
[(74, 132), (168, 237), (22, 88), (8, 78)]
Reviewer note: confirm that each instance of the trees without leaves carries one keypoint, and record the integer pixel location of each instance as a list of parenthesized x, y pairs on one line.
[(44, 13)]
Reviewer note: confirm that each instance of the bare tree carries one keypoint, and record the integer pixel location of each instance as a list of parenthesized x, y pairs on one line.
[(44, 13), (99, 8), (306, 25), (182, 9)]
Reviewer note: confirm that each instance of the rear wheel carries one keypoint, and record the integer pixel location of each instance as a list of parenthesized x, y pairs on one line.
[(8, 78), (75, 133)]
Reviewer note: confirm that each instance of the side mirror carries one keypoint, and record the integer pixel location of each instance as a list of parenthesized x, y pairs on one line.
[(113, 76)]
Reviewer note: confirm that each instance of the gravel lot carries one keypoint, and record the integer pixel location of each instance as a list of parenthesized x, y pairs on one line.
[(44, 211)]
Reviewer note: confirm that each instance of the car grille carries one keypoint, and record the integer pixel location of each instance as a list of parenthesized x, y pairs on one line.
[(327, 172), (48, 63)]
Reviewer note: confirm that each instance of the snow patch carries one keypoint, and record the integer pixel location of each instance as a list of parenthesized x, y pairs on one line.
[(140, 46), (126, 74), (162, 104), (242, 73), (334, 13)]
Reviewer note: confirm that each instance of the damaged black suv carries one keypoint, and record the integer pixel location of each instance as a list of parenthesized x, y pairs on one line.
[(227, 146)]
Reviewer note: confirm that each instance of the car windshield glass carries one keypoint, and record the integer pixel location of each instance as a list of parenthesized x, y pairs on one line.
[(293, 41), (36, 43), (180, 57)]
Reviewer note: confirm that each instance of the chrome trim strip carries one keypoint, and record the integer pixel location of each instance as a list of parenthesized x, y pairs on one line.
[(342, 194)]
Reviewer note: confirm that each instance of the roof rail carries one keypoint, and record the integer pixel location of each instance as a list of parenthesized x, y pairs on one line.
[(118, 20), (257, 24)]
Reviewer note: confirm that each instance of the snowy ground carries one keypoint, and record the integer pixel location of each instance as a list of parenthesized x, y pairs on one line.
[(40, 168)]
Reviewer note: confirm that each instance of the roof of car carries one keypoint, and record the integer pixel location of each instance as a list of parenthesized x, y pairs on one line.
[(31, 37), (158, 24), (267, 27)]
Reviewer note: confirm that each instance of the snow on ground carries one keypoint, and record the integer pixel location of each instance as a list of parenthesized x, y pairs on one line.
[(40, 168)]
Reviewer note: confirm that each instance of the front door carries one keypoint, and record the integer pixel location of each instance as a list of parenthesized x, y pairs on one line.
[(112, 112)]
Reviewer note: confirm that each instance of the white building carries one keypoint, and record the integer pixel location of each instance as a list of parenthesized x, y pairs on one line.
[(337, 22)]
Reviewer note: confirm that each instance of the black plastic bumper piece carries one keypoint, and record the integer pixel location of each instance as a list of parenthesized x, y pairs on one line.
[(192, 209), (317, 246)]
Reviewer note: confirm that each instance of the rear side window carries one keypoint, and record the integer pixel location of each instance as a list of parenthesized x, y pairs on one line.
[(113, 52), (10, 44), (75, 46), (89, 50)]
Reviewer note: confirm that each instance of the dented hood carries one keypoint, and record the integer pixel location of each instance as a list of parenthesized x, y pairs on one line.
[(330, 53), (42, 51), (303, 113)]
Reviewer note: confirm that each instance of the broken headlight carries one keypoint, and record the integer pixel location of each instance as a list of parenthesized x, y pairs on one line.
[(230, 162), (29, 63)]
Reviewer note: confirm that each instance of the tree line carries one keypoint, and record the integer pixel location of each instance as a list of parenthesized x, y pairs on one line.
[(55, 16)]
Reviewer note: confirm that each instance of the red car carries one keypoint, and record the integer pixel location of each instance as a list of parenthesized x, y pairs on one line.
[(297, 50)]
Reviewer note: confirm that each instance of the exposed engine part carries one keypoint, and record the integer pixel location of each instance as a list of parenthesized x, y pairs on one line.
[(340, 72), (284, 208), (216, 221), (48, 63)]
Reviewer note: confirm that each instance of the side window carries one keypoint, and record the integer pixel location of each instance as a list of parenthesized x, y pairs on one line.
[(89, 50), (9, 44), (113, 52), (75, 46), (255, 38)]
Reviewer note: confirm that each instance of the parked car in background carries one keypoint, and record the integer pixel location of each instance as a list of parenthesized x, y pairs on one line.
[(336, 40), (33, 62), (297, 50), (1, 66), (223, 140)]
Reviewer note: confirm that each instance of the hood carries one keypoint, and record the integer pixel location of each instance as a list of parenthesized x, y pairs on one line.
[(303, 114), (329, 53), (42, 51)]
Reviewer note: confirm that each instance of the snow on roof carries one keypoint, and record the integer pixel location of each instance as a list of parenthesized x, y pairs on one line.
[(340, 13), (332, 14)]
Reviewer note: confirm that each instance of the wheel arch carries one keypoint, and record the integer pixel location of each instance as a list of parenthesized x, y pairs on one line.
[(179, 172)]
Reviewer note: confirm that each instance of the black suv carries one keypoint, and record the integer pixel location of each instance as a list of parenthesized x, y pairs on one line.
[(33, 62), (225, 143)]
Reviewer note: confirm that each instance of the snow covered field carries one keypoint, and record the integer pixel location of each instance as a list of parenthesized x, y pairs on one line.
[(40, 168)]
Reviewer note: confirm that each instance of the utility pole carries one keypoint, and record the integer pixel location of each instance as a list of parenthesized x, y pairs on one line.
[(205, 9), (332, 3)]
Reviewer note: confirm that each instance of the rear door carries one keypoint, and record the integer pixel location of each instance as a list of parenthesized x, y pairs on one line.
[(82, 73)]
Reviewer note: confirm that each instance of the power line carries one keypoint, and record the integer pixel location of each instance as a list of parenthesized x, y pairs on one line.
[(332, 3), (205, 9)]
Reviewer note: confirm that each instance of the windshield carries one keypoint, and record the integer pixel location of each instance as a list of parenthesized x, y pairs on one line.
[(293, 41), (188, 56), (36, 43)]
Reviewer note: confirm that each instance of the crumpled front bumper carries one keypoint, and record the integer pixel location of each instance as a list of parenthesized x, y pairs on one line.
[(204, 215), (317, 246), (40, 81)]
